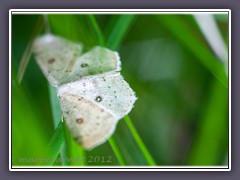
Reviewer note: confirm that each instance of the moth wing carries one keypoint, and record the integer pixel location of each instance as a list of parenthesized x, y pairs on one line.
[(56, 57), (96, 61), (89, 124), (108, 91)]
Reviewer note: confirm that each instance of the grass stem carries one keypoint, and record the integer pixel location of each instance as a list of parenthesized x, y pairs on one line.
[(139, 141)]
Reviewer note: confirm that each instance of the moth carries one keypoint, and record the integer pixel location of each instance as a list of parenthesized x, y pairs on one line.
[(93, 94)]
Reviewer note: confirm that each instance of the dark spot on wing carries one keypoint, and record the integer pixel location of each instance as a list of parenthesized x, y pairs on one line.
[(51, 60), (103, 79), (83, 65), (79, 120), (98, 99)]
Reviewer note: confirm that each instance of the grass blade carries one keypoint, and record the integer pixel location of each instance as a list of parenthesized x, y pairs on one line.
[(117, 151), (57, 116), (188, 39), (55, 145), (56, 112), (139, 141), (212, 34), (74, 152), (95, 26), (28, 51), (206, 149), (118, 30)]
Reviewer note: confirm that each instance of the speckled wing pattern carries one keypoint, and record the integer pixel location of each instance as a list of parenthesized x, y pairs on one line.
[(56, 56), (62, 61), (97, 61), (89, 124), (98, 101), (93, 95)]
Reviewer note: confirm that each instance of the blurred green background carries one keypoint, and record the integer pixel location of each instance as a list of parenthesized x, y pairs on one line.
[(181, 114)]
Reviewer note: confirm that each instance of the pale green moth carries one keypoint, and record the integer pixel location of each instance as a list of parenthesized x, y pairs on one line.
[(93, 94)]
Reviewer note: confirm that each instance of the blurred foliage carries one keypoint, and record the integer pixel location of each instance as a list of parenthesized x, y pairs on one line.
[(181, 113)]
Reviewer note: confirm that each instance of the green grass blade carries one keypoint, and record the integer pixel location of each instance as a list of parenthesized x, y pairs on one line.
[(74, 152), (186, 36), (55, 145), (213, 129), (56, 111), (118, 29), (139, 141), (57, 116), (117, 151), (95, 26), (28, 51)]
